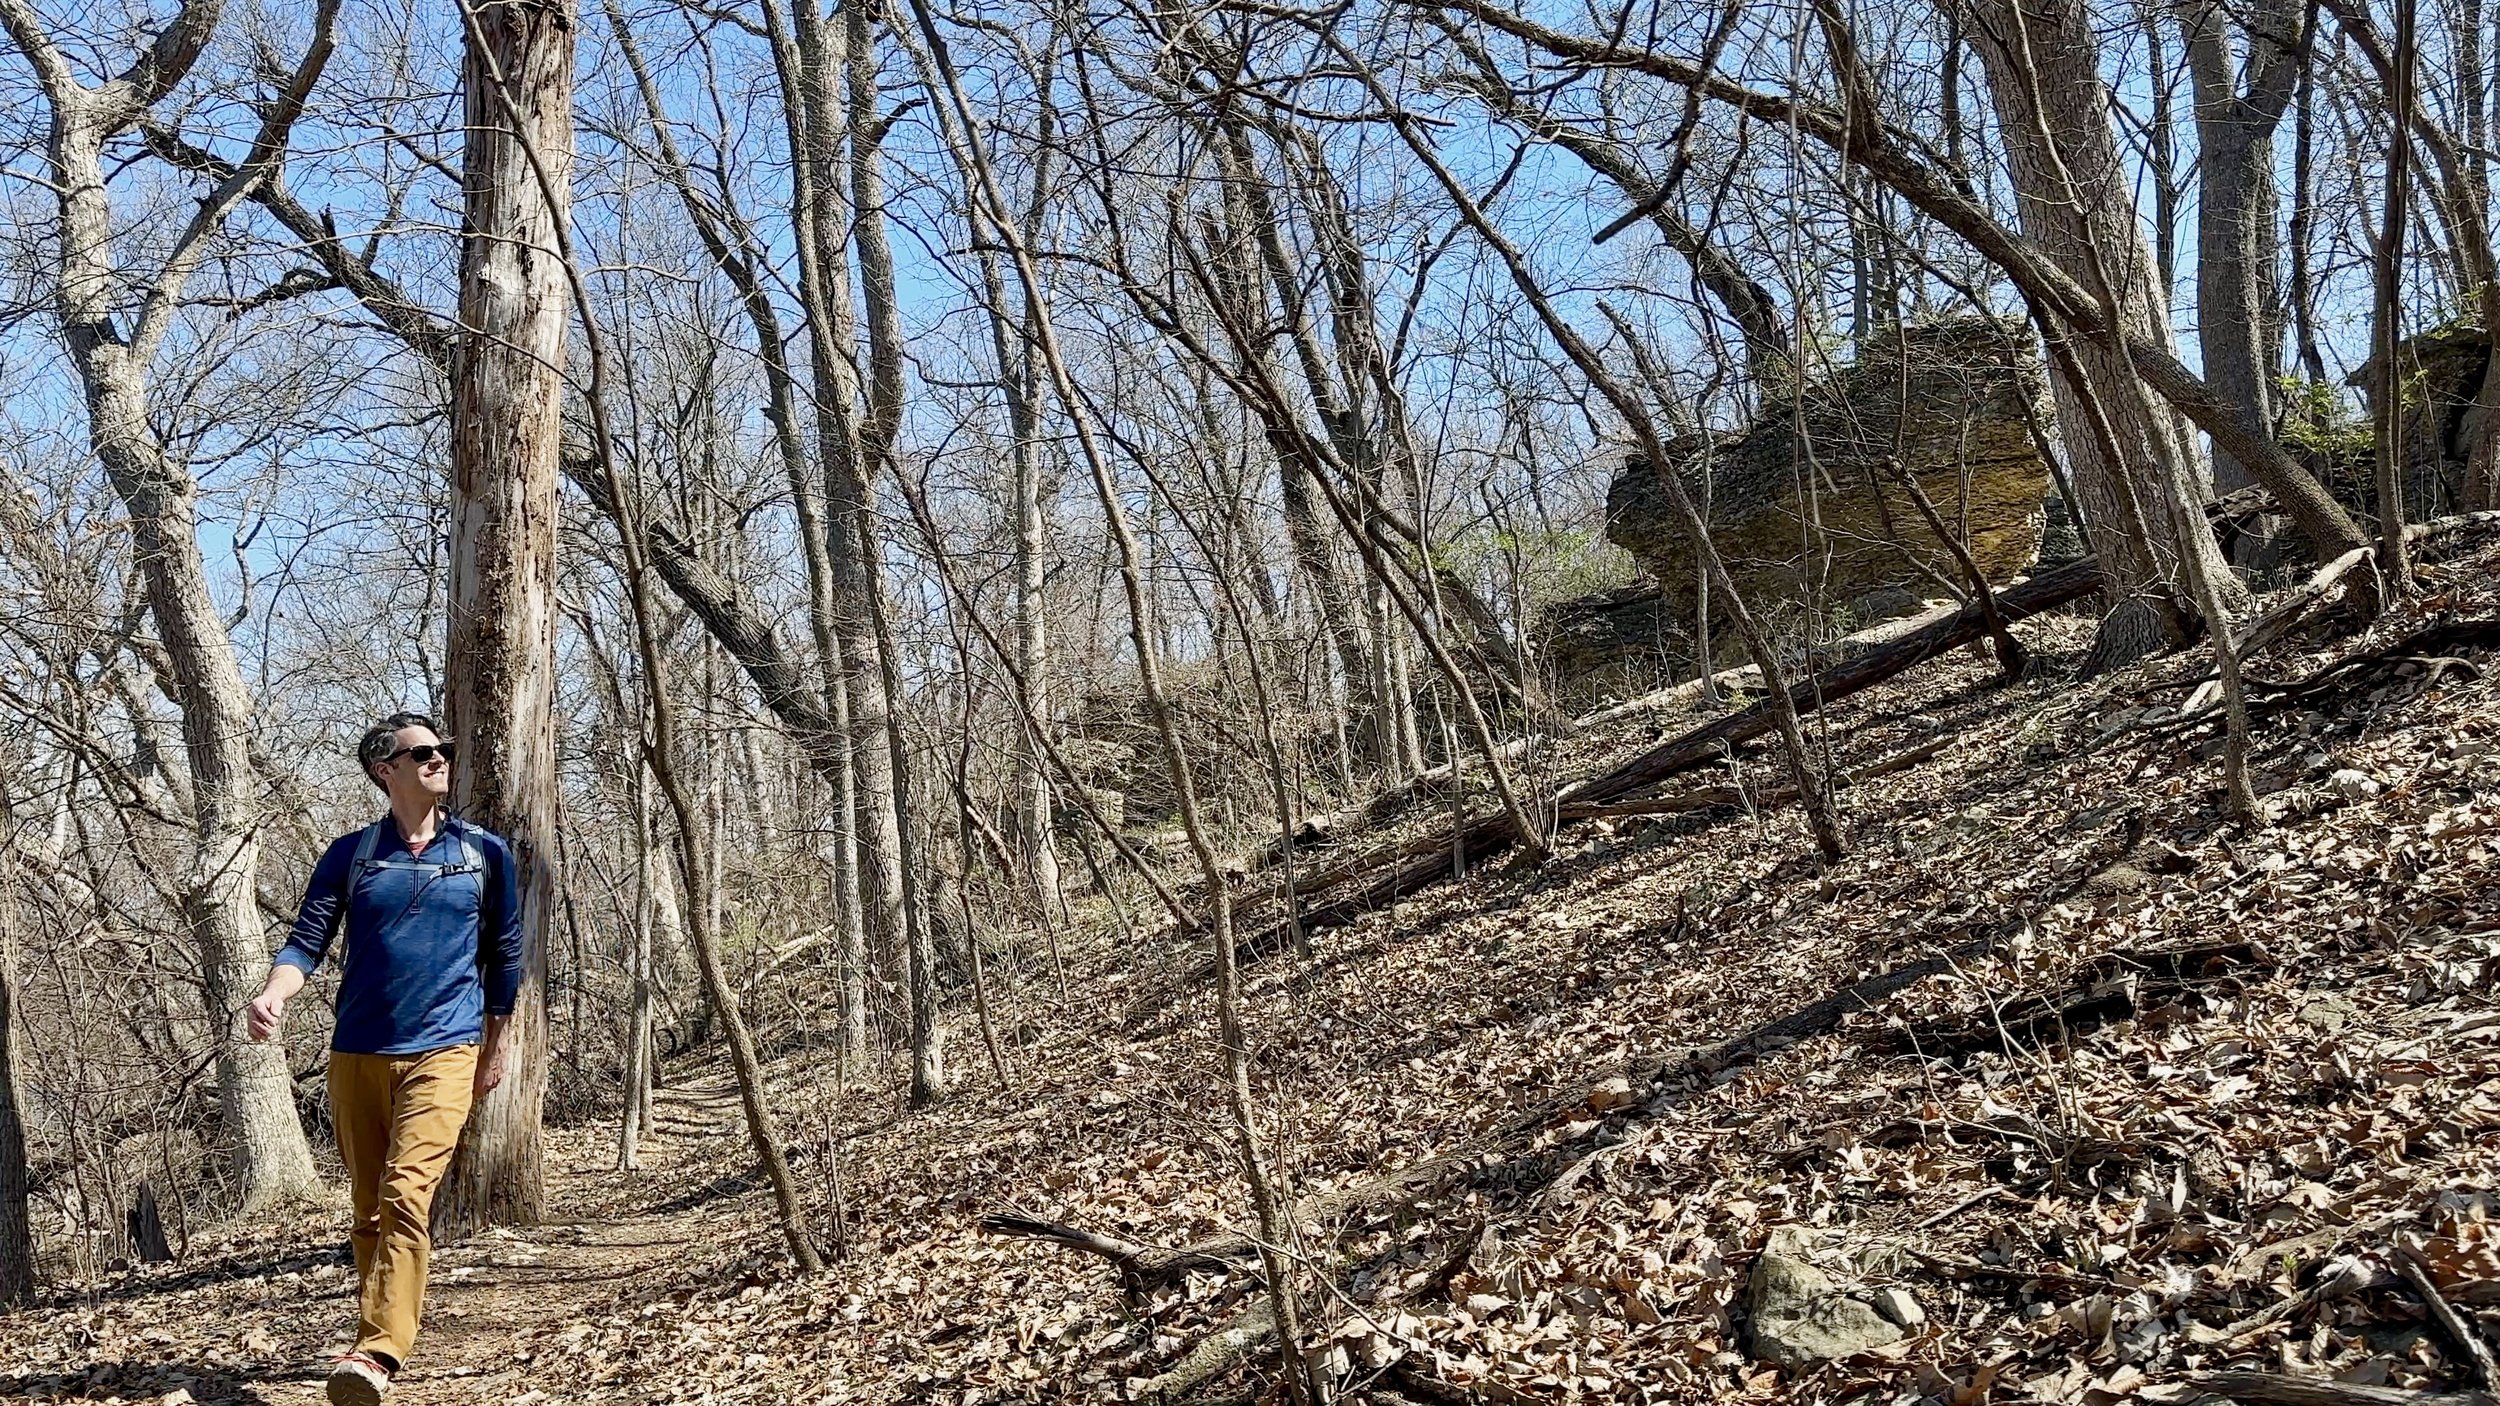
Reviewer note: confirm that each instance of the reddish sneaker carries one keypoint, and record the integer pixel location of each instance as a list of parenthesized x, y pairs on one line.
[(356, 1379)]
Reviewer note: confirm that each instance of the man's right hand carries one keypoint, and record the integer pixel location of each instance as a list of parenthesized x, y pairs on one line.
[(267, 1015)]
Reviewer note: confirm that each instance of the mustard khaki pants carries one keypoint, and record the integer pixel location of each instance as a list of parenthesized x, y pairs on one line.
[(398, 1119)]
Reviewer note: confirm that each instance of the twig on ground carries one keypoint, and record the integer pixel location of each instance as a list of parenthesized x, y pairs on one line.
[(2477, 1352), (2275, 1389)]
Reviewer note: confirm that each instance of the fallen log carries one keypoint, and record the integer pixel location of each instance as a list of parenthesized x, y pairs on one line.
[(1215, 1354), (2113, 988), (1706, 797), (1402, 869), (1321, 831), (1405, 868), (1141, 1266)]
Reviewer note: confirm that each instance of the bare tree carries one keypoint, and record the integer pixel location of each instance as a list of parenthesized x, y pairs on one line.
[(2239, 302), (2456, 178), (2053, 108), (1269, 1204), (2387, 311), (2043, 264), (114, 348), (865, 127), (507, 431), (735, 246), (17, 1243)]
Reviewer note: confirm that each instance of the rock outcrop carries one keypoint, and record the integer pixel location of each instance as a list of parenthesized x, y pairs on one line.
[(1806, 502), (2444, 372), (1613, 643)]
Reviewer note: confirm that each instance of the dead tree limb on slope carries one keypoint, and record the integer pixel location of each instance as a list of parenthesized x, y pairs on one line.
[(1392, 879), (1403, 869), (1149, 1266)]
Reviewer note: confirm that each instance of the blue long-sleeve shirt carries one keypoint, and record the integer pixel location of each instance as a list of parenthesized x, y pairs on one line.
[(430, 953)]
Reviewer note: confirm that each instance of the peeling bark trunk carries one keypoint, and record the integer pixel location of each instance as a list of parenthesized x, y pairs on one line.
[(507, 404)]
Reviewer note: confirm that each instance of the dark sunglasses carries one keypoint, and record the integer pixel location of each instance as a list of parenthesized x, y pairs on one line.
[(424, 752)]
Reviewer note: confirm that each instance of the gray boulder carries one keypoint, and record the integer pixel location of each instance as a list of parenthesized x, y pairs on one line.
[(1801, 1316)]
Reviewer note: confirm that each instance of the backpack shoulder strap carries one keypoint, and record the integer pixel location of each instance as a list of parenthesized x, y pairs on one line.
[(366, 844), (471, 857)]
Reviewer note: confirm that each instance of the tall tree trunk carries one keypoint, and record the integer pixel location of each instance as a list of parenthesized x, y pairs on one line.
[(2042, 60), (736, 247), (2396, 209), (1352, 615), (2304, 295), (635, 1119), (220, 904), (2238, 290), (1269, 1204), (1035, 825), (17, 1242), (1012, 342), (2482, 473), (662, 750), (506, 430), (885, 413), (2162, 149), (812, 71), (219, 890)]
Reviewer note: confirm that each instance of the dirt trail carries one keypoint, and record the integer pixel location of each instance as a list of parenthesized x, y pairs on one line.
[(491, 1290), (258, 1330)]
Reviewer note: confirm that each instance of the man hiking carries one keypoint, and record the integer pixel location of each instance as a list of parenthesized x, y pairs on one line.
[(432, 907)]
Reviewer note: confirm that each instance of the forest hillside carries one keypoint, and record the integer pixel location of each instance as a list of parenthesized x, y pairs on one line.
[(2060, 1088), (1412, 700)]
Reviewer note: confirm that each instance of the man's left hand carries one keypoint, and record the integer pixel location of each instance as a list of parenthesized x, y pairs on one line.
[(490, 1066)]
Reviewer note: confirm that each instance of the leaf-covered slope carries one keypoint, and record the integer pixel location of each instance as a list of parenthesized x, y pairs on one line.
[(2151, 1100)]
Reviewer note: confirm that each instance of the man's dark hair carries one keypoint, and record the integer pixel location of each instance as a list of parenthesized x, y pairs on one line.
[(382, 739)]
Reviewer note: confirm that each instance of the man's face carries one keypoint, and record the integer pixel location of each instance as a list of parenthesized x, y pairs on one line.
[(419, 768)]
